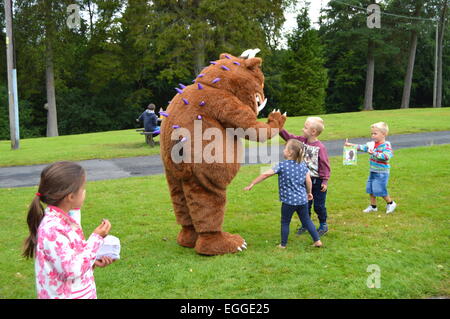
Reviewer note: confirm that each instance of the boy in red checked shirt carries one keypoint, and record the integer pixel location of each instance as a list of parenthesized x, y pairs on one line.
[(316, 158)]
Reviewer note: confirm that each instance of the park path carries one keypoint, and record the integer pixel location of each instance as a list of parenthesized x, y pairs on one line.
[(103, 169)]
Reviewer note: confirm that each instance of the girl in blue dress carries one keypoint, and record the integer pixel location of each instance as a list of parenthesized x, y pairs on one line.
[(295, 190)]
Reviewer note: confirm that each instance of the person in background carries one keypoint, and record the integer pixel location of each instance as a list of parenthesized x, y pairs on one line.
[(150, 119)]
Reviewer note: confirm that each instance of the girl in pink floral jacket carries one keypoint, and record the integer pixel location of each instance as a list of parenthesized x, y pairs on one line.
[(64, 259)]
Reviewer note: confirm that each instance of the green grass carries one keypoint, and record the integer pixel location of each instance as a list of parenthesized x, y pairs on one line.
[(410, 246), (129, 143)]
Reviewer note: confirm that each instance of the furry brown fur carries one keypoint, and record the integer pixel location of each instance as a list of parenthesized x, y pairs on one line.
[(198, 189)]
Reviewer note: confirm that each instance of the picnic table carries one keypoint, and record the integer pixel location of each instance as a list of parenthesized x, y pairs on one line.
[(150, 135)]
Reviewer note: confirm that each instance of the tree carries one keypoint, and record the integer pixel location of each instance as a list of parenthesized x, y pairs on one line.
[(442, 19), (304, 77), (411, 59)]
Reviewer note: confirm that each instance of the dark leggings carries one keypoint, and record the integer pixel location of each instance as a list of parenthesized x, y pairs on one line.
[(286, 215)]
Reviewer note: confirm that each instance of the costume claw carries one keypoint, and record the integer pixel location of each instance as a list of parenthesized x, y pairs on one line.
[(239, 248)]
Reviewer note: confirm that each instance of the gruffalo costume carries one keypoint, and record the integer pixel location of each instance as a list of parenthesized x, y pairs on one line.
[(227, 95)]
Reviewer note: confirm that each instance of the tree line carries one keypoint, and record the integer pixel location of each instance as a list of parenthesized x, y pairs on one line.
[(123, 55)]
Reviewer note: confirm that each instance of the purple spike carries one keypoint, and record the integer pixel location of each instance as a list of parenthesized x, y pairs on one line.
[(193, 81), (202, 103), (184, 139), (225, 68), (227, 56), (185, 101), (236, 62), (179, 90), (181, 85), (213, 62), (175, 126), (215, 80), (164, 114), (200, 75), (200, 87), (199, 117)]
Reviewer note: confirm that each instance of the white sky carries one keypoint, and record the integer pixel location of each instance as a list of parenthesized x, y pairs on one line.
[(314, 13), (291, 15)]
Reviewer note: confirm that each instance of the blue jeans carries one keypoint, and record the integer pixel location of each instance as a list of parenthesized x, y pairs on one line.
[(318, 202), (286, 215), (377, 184)]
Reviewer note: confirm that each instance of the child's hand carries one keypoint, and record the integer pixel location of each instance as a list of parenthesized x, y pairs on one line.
[(103, 229), (348, 144), (103, 262), (323, 187), (249, 187), (310, 196)]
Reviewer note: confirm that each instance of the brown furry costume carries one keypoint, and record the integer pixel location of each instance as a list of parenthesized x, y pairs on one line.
[(224, 95)]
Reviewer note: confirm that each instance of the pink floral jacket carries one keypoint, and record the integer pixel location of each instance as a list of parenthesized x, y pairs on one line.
[(64, 259)]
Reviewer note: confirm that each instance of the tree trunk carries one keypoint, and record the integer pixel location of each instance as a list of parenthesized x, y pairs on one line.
[(52, 119), (409, 71), (199, 55), (368, 95), (440, 49), (91, 13), (411, 60)]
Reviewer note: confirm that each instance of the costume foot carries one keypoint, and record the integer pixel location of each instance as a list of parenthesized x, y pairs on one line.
[(187, 237), (219, 243)]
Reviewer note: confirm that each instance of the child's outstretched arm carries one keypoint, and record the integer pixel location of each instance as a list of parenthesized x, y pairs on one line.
[(260, 178), (362, 148), (308, 183)]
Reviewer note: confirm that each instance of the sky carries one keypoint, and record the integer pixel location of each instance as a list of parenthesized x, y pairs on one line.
[(314, 13)]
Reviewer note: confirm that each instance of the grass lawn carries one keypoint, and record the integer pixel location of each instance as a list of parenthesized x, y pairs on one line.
[(410, 246), (129, 143)]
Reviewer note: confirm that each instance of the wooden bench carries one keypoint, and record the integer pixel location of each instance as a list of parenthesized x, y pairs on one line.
[(148, 137)]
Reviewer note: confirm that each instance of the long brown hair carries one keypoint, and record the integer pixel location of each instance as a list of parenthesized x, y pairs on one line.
[(297, 148), (57, 181)]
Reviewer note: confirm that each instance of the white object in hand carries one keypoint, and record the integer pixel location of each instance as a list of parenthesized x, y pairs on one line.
[(110, 248), (371, 146)]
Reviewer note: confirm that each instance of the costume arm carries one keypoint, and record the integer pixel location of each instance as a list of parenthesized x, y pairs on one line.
[(235, 114)]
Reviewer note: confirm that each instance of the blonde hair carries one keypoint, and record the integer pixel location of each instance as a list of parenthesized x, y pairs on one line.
[(316, 123), (382, 127), (297, 148)]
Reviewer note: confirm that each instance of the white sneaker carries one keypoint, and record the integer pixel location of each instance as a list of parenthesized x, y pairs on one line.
[(391, 207), (370, 209)]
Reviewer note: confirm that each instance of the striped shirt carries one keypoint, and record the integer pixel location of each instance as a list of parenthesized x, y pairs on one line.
[(382, 153)]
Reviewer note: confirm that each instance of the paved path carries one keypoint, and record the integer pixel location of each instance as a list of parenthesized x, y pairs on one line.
[(99, 169)]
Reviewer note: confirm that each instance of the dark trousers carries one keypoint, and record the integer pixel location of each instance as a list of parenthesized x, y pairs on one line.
[(318, 201), (286, 215)]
